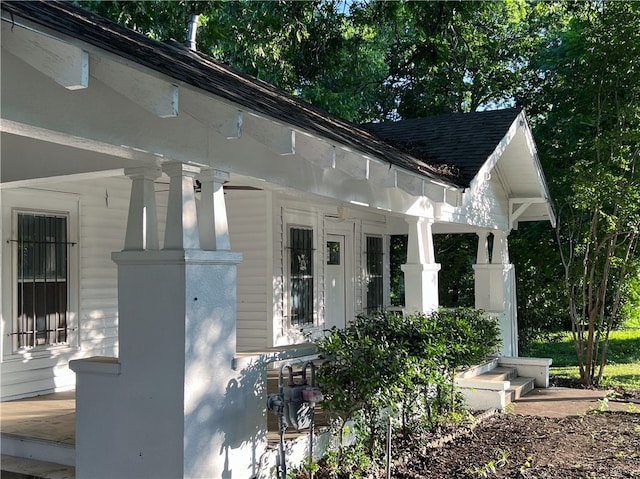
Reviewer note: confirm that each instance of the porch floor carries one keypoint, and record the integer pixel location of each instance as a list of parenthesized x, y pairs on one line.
[(51, 418)]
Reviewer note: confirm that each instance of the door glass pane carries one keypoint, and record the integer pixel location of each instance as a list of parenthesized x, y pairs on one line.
[(333, 252)]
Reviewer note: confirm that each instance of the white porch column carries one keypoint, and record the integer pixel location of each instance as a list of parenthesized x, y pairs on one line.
[(495, 290), (142, 223), (182, 218), (421, 270), (212, 211), (172, 404)]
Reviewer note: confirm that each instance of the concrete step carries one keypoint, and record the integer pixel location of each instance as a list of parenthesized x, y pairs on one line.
[(499, 374), (520, 386), (22, 468), (478, 369), (493, 390)]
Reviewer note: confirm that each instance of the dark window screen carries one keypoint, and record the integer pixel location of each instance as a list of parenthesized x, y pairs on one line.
[(301, 248)]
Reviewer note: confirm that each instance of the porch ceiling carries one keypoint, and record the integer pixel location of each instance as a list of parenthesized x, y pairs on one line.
[(25, 160)]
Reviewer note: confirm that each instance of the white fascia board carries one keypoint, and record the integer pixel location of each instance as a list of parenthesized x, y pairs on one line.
[(57, 179), (544, 187), (484, 174)]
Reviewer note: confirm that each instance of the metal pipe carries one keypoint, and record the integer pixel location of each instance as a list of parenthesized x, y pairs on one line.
[(191, 32), (282, 426), (389, 447), (311, 446)]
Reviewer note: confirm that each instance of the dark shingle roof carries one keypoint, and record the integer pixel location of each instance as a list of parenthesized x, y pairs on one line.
[(463, 141), (207, 74)]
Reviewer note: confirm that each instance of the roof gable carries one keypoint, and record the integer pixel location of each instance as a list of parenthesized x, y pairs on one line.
[(461, 141)]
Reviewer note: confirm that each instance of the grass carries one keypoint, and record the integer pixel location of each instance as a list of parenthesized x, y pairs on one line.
[(623, 358)]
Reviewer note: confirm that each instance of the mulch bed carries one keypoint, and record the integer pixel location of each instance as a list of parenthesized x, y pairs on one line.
[(604, 445)]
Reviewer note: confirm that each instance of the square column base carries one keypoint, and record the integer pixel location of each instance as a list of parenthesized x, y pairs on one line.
[(421, 287)]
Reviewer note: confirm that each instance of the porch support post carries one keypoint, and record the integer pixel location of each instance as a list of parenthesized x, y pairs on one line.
[(142, 223), (172, 404), (182, 218), (495, 288), (212, 211), (482, 256), (421, 270)]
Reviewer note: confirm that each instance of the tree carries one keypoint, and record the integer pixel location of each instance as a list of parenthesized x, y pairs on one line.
[(589, 78), (361, 60)]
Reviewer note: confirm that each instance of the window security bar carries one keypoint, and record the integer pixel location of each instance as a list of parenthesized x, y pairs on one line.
[(72, 243), (17, 333)]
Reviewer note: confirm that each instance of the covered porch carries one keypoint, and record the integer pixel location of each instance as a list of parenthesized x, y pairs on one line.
[(39, 433)]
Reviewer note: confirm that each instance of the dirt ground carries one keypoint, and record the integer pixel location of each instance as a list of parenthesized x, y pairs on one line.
[(602, 444)]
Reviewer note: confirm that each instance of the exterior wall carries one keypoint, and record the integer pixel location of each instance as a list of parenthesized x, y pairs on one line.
[(324, 219), (102, 217), (289, 214), (250, 229), (258, 223)]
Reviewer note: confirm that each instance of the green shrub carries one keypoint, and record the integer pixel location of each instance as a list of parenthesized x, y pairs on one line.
[(389, 364)]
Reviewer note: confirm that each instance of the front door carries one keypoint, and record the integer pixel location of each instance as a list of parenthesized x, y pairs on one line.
[(335, 282)]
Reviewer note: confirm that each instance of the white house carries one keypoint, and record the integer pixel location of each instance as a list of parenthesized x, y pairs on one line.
[(170, 226)]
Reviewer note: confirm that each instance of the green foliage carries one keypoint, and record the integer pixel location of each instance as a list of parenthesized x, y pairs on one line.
[(623, 367), (542, 301), (456, 280), (403, 366), (630, 310), (599, 223), (361, 60)]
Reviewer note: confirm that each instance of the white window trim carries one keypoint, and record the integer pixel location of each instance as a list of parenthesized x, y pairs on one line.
[(45, 202)]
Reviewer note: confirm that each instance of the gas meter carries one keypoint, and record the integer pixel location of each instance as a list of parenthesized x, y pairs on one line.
[(296, 397)]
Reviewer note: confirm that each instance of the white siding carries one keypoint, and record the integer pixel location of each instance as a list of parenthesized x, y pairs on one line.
[(101, 225), (250, 231), (103, 219), (256, 225), (485, 204)]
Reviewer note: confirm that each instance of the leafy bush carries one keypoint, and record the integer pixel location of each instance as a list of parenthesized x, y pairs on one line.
[(386, 364)]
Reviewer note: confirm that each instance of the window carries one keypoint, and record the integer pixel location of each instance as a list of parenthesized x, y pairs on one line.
[(301, 254), (40, 269), (41, 284), (374, 256)]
